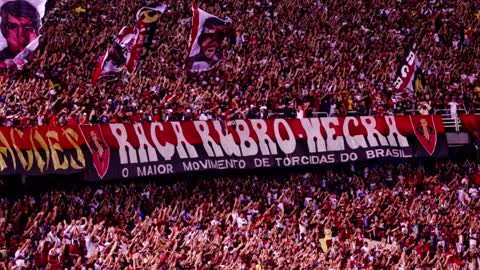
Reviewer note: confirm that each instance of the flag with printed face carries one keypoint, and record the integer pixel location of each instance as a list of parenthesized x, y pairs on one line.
[(208, 33), (95, 141), (406, 72), (20, 25), (425, 131), (116, 56), (132, 44)]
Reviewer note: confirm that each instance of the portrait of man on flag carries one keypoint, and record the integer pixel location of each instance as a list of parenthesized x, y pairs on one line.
[(145, 27), (20, 23), (208, 33), (116, 56)]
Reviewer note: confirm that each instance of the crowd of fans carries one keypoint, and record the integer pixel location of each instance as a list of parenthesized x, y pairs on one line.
[(287, 58), (295, 58), (381, 216)]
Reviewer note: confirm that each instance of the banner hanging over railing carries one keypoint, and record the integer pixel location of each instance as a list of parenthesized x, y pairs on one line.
[(471, 122), (42, 150), (116, 151)]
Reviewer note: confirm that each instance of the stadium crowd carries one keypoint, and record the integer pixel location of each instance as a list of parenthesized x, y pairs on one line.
[(286, 58), (293, 57), (380, 216)]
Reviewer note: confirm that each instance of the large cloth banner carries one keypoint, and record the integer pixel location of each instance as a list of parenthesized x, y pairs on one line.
[(471, 122), (42, 150), (404, 79), (147, 18), (472, 125), (115, 58), (208, 33), (116, 151), (131, 45), (20, 23)]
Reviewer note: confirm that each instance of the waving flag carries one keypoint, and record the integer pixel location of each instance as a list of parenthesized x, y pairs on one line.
[(20, 24), (147, 18), (131, 45), (116, 57), (404, 81), (208, 33)]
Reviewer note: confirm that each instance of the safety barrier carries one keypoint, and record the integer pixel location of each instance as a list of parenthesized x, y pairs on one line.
[(451, 122)]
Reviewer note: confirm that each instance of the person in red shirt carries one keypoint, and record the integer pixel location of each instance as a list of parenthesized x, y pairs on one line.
[(74, 250), (137, 116), (156, 116), (72, 121), (83, 119), (53, 120)]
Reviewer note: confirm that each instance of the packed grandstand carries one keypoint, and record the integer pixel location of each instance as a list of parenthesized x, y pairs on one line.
[(259, 134), (383, 216), (332, 57)]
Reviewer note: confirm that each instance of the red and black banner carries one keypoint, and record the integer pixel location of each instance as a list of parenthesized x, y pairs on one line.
[(147, 19), (20, 25), (42, 150), (116, 151), (151, 149), (406, 72), (471, 122), (131, 45)]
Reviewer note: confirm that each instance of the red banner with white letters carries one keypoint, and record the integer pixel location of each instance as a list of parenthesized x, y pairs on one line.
[(115, 151)]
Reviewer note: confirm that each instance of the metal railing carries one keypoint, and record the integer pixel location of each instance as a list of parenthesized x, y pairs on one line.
[(276, 115), (451, 121), (319, 114)]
